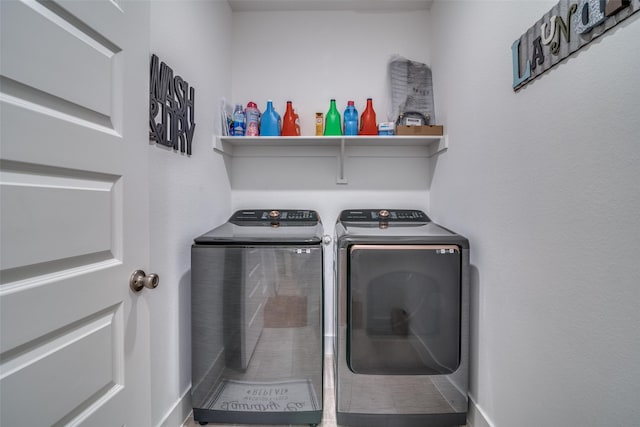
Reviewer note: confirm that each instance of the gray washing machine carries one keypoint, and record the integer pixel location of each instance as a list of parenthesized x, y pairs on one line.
[(257, 319), (402, 333)]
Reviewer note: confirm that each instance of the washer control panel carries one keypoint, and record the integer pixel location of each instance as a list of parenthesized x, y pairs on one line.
[(383, 215), (289, 216)]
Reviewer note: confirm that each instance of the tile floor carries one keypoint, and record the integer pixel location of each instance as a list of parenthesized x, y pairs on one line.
[(329, 415)]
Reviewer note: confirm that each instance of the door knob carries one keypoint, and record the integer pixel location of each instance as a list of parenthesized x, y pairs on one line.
[(140, 280)]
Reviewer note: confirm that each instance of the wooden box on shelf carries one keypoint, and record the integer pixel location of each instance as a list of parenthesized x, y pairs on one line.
[(435, 130)]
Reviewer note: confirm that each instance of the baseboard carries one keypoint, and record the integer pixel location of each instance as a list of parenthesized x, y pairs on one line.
[(179, 412), (476, 416)]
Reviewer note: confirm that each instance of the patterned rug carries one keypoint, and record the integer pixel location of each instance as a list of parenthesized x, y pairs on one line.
[(275, 396)]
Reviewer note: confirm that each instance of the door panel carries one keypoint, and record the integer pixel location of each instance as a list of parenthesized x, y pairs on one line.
[(74, 339), (72, 208), (59, 43), (404, 309), (91, 341), (256, 318)]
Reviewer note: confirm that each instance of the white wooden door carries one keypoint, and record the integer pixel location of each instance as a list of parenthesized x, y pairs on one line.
[(74, 338)]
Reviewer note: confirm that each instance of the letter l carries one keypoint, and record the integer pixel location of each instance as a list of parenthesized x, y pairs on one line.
[(515, 54)]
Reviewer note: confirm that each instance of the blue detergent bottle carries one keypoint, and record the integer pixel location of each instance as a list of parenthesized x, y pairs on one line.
[(350, 119), (270, 123)]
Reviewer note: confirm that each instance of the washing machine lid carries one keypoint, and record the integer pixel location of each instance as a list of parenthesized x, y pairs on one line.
[(399, 226), (267, 226)]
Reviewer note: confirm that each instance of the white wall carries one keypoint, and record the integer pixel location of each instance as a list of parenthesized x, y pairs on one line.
[(309, 57), (544, 183), (189, 194)]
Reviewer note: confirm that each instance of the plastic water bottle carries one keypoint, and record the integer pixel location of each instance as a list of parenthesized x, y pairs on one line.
[(332, 122), (368, 125), (350, 119), (270, 122), (238, 121), (252, 119)]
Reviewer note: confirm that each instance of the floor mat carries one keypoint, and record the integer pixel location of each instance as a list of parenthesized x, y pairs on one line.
[(273, 396)]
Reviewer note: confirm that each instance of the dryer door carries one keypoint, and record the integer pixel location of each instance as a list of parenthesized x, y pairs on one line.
[(404, 309)]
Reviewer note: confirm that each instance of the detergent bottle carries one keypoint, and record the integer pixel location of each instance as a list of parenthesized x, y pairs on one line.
[(332, 124), (368, 124), (252, 118), (238, 121), (290, 126), (270, 123), (350, 119)]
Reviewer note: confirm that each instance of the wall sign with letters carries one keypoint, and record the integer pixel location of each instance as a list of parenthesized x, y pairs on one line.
[(171, 108), (567, 27)]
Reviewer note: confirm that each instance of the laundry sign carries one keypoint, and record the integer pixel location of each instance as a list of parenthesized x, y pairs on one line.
[(567, 27), (171, 108)]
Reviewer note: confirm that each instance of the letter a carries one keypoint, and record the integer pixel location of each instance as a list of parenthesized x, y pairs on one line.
[(538, 55)]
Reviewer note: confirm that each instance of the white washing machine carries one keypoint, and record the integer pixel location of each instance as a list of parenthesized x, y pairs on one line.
[(402, 333)]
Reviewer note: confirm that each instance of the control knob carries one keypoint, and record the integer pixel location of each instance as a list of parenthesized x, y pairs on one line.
[(383, 214), (274, 214)]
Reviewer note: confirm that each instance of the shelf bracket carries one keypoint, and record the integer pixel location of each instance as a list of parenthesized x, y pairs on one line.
[(341, 179), (438, 147), (222, 147)]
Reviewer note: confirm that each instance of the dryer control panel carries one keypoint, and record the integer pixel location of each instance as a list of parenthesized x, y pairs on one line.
[(281, 216), (383, 215)]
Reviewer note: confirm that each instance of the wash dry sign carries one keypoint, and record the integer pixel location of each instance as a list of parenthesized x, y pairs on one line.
[(171, 108), (567, 27)]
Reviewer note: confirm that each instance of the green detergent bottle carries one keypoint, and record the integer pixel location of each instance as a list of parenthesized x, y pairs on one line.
[(332, 125)]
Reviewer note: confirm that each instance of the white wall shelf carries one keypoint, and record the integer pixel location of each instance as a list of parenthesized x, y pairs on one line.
[(338, 146)]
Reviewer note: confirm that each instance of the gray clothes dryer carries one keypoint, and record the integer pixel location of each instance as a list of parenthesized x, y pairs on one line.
[(257, 319), (402, 334)]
